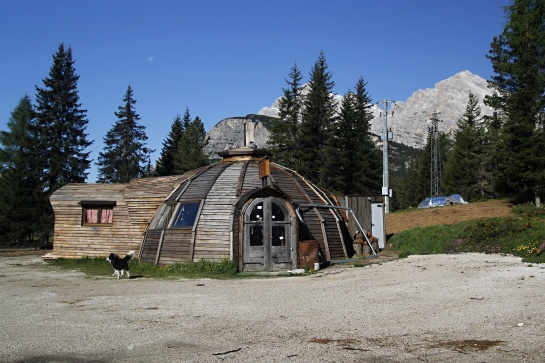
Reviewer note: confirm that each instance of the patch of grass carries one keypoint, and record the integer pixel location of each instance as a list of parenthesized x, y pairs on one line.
[(424, 240), (204, 268), (90, 265), (519, 235), (200, 269), (528, 210)]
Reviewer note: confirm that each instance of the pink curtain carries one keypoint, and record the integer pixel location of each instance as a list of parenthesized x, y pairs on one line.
[(91, 215), (106, 216)]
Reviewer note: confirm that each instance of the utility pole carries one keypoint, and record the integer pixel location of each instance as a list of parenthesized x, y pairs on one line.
[(386, 136), (435, 177)]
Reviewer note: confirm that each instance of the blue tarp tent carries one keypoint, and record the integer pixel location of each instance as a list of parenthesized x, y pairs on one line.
[(442, 201)]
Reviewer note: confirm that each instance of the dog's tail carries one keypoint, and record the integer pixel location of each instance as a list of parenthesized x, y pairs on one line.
[(129, 255)]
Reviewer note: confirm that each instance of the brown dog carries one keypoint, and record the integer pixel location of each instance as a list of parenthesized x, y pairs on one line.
[(541, 248)]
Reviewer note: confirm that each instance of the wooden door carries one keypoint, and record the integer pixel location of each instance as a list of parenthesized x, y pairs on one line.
[(267, 236)]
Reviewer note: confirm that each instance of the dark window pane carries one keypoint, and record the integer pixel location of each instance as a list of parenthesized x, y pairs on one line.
[(257, 213), (186, 215), (278, 235), (277, 213), (256, 235)]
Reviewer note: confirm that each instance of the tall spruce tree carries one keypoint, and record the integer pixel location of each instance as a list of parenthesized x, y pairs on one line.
[(181, 158), (367, 158), (190, 153), (398, 182), (165, 163), (338, 170), (125, 154), (283, 137), (464, 169), (62, 124), (417, 183), (341, 173), (518, 59), (22, 202), (315, 136), (491, 144)]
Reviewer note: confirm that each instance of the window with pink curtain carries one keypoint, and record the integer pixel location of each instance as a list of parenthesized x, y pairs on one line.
[(98, 215)]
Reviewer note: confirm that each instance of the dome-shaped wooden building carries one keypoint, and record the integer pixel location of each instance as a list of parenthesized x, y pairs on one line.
[(244, 208)]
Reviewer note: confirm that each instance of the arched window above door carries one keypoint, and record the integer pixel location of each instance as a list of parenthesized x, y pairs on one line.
[(256, 213), (277, 213)]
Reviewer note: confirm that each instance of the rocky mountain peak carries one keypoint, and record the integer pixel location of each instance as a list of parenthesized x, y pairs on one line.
[(449, 98), (408, 120)]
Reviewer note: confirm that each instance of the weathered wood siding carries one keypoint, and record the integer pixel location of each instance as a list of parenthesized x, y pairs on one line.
[(144, 196), (361, 206), (175, 247), (325, 225), (136, 202), (151, 245), (72, 239), (214, 227), (211, 239)]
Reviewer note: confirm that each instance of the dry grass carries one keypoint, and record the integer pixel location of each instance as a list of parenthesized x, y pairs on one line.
[(404, 220)]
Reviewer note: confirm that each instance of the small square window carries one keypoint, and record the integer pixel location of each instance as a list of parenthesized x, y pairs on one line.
[(97, 213)]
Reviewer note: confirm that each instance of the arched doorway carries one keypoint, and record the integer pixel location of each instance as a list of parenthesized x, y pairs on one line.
[(268, 236)]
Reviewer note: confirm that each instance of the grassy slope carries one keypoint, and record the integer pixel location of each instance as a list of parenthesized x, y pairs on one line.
[(489, 227), (411, 218)]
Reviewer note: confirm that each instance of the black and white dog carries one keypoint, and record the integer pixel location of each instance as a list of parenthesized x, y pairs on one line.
[(120, 265)]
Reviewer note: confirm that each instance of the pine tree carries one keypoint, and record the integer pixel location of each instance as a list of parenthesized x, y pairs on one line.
[(125, 154), (21, 199), (165, 163), (190, 153), (282, 140), (518, 59), (491, 144), (367, 157), (62, 125), (463, 172), (341, 172), (316, 128), (181, 158), (195, 137), (400, 186), (419, 178), (417, 183)]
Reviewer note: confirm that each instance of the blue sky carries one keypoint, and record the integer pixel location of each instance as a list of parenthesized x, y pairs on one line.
[(231, 58)]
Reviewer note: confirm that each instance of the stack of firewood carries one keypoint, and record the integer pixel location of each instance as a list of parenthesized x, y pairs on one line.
[(360, 243)]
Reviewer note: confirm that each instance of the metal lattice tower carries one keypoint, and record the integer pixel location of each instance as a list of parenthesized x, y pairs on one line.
[(435, 168)]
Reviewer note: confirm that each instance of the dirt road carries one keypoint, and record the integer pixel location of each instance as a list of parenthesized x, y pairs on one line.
[(457, 308)]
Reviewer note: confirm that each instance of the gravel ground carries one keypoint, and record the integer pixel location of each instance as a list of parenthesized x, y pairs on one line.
[(457, 308)]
